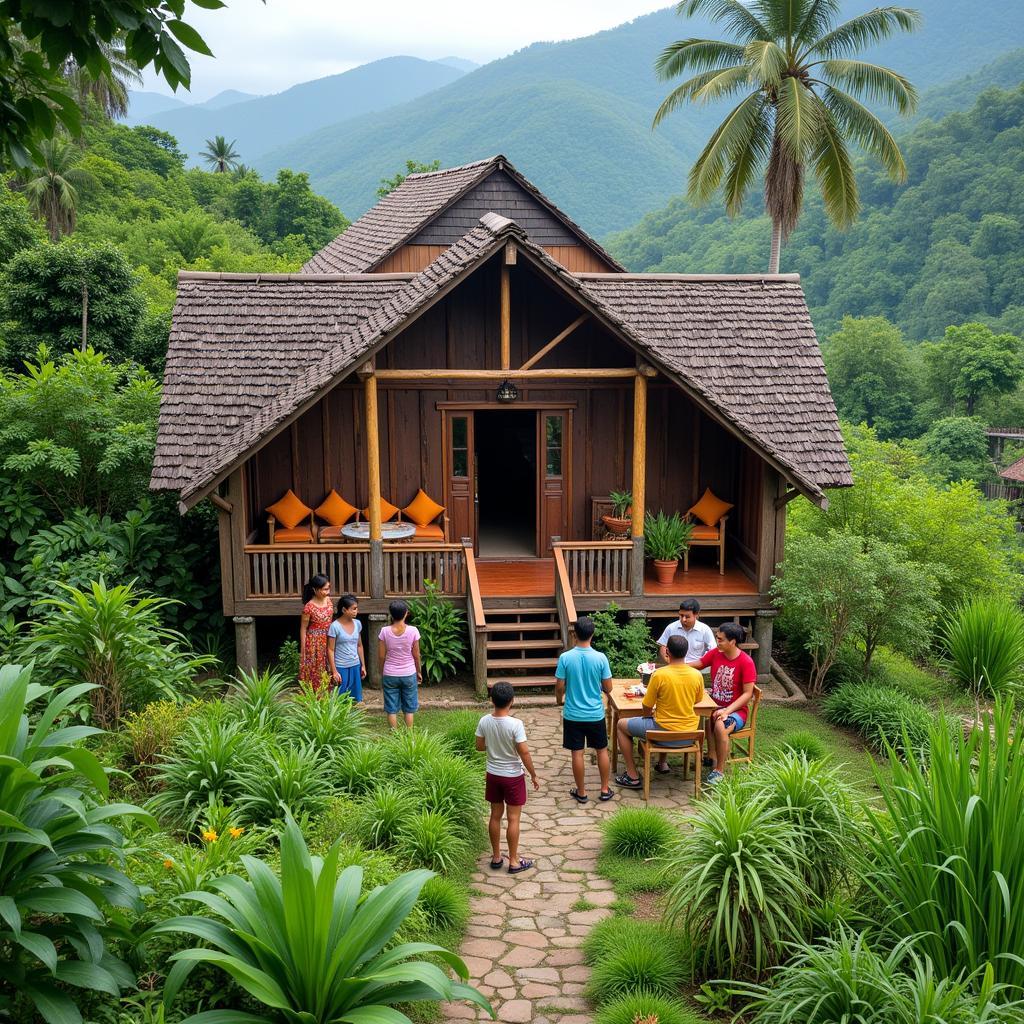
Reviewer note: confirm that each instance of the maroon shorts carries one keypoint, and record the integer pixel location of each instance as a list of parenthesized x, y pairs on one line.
[(501, 789)]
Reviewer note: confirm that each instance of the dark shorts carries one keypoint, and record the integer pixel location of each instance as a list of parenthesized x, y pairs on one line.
[(577, 735), (400, 692), (505, 789)]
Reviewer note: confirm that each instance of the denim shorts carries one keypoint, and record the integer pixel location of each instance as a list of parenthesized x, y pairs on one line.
[(639, 727), (735, 721), (400, 691)]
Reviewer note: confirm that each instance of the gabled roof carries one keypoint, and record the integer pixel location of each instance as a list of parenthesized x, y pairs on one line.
[(406, 210), (1015, 471), (743, 347)]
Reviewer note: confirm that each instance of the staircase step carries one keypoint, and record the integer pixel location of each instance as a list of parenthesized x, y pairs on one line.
[(518, 682), (555, 643), (523, 627), (507, 663), (489, 610)]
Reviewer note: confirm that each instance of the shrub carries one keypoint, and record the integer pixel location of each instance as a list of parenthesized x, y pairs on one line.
[(984, 642), (449, 786), (288, 780), (807, 743), (645, 1008), (666, 537), (611, 933), (430, 840), (442, 626), (642, 962), (820, 807), (444, 903), (288, 660), (151, 731), (458, 729), (885, 718), (381, 814), (254, 698), (53, 792), (257, 925), (946, 861), (360, 767), (406, 751), (739, 892), (329, 724), (203, 766), (625, 646), (335, 821), (637, 832), (114, 638)]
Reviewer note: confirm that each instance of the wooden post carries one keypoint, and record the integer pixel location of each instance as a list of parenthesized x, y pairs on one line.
[(245, 643), (764, 622), (639, 481), (376, 622), (506, 320), (373, 486)]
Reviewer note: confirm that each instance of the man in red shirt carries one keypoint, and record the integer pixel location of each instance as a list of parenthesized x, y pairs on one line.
[(733, 675)]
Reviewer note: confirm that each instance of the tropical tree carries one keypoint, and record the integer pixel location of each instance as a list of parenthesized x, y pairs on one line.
[(220, 154), (800, 108), (109, 87), (51, 186)]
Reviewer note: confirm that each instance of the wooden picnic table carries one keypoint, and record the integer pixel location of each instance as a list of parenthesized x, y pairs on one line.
[(621, 706)]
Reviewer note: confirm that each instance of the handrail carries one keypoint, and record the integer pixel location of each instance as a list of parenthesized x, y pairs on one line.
[(475, 605), (309, 549), (587, 545), (476, 621), (563, 595)]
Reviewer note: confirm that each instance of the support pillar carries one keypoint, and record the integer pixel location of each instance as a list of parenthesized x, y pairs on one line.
[(375, 623), (639, 487), (245, 642), (373, 483), (377, 569), (764, 627)]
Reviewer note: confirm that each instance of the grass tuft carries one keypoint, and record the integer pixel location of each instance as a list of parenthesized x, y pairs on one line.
[(638, 832), (644, 1007)]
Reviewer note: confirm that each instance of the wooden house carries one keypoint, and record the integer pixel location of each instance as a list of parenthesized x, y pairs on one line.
[(466, 339)]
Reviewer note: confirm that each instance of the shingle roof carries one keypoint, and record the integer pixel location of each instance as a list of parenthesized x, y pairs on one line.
[(403, 212), (1015, 471), (744, 347)]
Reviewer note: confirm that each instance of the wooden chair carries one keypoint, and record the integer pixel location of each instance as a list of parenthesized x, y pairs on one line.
[(748, 733), (706, 537), (654, 743), (290, 506), (304, 533)]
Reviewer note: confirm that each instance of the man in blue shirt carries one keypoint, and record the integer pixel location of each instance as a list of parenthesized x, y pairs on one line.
[(583, 675)]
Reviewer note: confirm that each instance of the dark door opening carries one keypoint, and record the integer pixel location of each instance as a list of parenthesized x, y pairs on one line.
[(506, 483)]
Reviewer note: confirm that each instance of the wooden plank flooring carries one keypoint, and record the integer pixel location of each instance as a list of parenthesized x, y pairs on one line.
[(700, 581)]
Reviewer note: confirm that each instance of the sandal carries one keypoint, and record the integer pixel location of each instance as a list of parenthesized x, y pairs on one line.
[(663, 769), (627, 782), (609, 793), (496, 865), (524, 865), (576, 796)]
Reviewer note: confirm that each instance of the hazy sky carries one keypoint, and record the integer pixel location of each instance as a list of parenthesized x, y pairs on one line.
[(266, 48)]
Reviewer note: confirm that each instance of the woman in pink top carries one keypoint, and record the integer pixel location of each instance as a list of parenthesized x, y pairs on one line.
[(399, 650)]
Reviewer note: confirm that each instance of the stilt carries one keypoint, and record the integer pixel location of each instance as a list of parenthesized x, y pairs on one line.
[(375, 622), (245, 642), (764, 625)]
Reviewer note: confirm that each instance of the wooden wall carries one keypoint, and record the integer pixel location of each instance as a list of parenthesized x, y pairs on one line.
[(412, 258)]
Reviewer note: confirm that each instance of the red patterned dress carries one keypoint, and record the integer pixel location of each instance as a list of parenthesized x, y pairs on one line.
[(314, 656)]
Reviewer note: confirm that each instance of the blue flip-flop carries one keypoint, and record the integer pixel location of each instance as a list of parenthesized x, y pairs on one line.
[(496, 865), (574, 793)]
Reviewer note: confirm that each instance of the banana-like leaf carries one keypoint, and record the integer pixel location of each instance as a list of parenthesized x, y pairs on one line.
[(227, 1017), (256, 982), (38, 945), (59, 900), (53, 1005), (373, 1015), (85, 975)]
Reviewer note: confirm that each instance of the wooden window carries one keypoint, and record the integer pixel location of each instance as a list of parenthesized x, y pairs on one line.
[(460, 446), (553, 445)]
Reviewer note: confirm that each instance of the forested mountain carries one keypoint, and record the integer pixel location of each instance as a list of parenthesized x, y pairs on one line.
[(143, 106), (943, 249), (575, 116), (265, 122)]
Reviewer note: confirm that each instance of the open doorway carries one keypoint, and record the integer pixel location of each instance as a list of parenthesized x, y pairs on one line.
[(506, 483)]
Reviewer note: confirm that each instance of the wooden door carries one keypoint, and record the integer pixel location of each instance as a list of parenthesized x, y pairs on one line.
[(460, 475), (554, 431)]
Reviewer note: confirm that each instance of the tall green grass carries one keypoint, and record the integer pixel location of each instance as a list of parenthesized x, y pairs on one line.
[(885, 718), (984, 643)]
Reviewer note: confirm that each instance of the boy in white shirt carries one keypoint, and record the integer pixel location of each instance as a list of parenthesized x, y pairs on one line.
[(504, 739)]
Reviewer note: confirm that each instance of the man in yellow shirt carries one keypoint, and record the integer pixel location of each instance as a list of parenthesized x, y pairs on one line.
[(668, 706)]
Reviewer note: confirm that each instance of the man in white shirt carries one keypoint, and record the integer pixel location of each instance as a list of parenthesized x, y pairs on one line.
[(699, 636)]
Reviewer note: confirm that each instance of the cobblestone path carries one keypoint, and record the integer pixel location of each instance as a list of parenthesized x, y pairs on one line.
[(522, 945)]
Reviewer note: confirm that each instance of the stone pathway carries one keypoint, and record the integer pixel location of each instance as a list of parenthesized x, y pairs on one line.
[(522, 946)]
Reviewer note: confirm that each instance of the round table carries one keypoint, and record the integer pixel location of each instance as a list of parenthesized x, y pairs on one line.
[(389, 531)]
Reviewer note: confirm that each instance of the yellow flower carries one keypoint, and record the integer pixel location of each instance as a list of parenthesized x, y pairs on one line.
[(236, 831), (168, 863), (210, 835)]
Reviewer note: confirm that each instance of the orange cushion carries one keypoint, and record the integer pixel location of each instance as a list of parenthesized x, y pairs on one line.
[(704, 533), (299, 533), (710, 508), (387, 511), (334, 509), (422, 509), (429, 532), (289, 511)]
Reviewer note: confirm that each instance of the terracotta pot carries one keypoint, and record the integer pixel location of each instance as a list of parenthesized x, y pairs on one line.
[(665, 572), (620, 527)]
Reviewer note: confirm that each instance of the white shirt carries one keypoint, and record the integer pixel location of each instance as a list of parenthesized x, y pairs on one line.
[(700, 639), (500, 736)]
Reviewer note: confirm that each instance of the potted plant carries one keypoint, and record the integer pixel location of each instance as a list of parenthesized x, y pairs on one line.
[(619, 521), (666, 537)]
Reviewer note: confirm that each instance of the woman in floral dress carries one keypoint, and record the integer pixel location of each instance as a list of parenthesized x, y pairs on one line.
[(317, 616)]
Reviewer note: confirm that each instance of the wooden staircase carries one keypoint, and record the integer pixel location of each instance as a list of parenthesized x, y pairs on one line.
[(523, 642)]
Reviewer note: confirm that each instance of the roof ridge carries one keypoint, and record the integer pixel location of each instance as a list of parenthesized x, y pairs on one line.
[(226, 275), (461, 167)]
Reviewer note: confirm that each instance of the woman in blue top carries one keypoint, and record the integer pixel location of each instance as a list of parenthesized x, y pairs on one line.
[(345, 649)]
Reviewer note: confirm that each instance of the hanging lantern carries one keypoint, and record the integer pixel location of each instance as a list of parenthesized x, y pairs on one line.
[(507, 391)]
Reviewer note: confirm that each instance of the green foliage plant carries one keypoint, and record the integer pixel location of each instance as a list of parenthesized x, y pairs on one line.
[(642, 961), (288, 659), (360, 767), (956, 448), (411, 167), (311, 947), (151, 732), (431, 840), (220, 154), (113, 637), (612, 933), (625, 646), (442, 627), (329, 724), (50, 186), (638, 832), (886, 718), (458, 728), (805, 743), (645, 1006), (381, 815), (738, 889), (972, 361), (256, 699), (791, 119), (666, 536), (946, 859), (285, 780), (451, 787), (445, 903), (621, 501), (984, 646), (406, 751), (58, 853)]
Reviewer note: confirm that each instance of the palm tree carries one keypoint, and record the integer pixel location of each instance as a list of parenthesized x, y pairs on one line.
[(110, 88), (801, 108), (52, 186), (220, 154)]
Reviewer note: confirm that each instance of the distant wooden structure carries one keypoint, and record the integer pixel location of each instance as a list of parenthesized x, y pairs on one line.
[(466, 339)]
